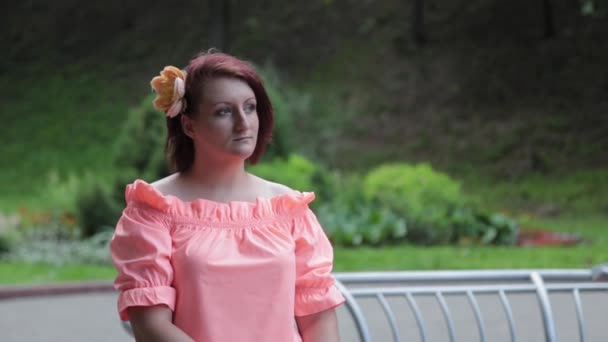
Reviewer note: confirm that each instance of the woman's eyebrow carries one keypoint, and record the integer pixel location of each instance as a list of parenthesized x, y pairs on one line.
[(229, 102)]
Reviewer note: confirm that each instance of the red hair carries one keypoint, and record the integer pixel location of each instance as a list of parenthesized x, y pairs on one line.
[(179, 147)]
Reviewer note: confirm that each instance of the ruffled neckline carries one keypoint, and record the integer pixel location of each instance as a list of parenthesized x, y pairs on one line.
[(142, 193)]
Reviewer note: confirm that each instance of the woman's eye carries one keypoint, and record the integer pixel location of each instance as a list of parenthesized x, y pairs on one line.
[(250, 108), (224, 111)]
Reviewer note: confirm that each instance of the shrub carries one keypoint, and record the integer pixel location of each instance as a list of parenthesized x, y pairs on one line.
[(298, 173), (287, 105), (418, 189), (423, 195), (37, 248), (139, 149), (361, 224), (471, 226), (62, 193), (97, 210), (8, 240), (139, 153)]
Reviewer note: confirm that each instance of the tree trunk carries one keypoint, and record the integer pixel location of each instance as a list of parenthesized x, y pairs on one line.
[(418, 22), (219, 24), (549, 19)]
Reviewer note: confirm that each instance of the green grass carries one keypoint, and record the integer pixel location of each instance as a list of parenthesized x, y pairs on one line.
[(397, 258), (456, 258), (22, 273), (578, 193), (593, 229), (60, 123)]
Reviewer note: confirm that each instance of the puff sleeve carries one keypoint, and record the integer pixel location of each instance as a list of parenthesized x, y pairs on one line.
[(315, 289), (141, 252)]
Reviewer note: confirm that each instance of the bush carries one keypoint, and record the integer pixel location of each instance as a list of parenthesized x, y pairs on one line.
[(140, 145), (470, 227), (8, 240), (424, 196), (36, 248), (287, 105), (418, 190), (298, 173), (361, 224), (97, 210), (139, 153)]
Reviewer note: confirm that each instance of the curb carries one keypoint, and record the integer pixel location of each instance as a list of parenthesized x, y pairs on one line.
[(11, 292)]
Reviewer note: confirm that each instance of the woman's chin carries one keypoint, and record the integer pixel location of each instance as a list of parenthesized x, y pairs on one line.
[(242, 153)]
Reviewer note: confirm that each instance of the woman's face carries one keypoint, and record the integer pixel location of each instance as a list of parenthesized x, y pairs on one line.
[(226, 126)]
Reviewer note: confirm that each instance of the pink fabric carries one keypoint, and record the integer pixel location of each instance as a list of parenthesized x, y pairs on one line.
[(233, 271)]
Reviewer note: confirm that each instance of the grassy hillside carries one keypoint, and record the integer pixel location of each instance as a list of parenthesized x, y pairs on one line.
[(486, 96)]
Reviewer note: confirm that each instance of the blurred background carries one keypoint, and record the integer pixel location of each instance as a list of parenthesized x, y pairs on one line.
[(436, 134)]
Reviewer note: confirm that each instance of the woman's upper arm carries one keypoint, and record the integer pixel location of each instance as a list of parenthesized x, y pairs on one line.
[(315, 285), (141, 250)]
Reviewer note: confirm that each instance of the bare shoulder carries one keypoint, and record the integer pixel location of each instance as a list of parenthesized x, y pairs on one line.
[(275, 189), (167, 185)]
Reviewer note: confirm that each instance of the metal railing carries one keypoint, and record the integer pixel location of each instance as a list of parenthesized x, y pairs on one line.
[(410, 286)]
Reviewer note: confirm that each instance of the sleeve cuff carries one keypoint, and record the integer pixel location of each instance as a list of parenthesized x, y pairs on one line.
[(313, 300), (145, 296)]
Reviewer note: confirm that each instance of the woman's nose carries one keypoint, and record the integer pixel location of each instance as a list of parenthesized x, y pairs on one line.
[(242, 122)]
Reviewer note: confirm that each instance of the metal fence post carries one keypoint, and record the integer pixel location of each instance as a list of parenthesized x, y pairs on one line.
[(545, 306)]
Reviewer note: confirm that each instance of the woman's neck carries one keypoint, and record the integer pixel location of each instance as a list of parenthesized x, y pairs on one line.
[(217, 181)]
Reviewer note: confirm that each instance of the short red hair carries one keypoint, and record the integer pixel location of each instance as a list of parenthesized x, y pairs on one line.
[(179, 147)]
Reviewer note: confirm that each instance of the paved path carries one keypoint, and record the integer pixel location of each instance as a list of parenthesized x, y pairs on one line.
[(93, 318)]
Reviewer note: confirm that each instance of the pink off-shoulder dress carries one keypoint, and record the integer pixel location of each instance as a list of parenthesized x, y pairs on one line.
[(234, 271)]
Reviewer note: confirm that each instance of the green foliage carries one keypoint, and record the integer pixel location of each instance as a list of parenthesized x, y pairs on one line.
[(97, 210), (139, 149), (139, 153), (581, 193), (361, 224), (423, 195), (63, 192), (287, 105), (8, 240), (296, 172), (417, 189), (41, 249), (434, 207), (58, 119), (470, 227), (53, 238)]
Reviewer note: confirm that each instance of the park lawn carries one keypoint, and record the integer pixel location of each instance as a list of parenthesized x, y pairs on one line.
[(22, 273), (594, 229), (394, 258), (461, 258)]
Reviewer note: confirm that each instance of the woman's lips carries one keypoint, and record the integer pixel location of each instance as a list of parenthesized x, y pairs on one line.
[(242, 138)]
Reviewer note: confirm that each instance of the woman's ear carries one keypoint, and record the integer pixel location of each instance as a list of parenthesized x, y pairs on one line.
[(188, 126)]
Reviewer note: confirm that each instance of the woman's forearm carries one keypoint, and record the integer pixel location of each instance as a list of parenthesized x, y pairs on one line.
[(164, 332), (154, 324), (319, 327)]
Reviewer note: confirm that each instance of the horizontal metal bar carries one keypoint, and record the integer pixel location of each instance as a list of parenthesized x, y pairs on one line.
[(463, 289), (581, 286), (464, 275)]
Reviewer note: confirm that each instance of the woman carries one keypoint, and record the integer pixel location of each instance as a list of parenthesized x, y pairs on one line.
[(213, 253)]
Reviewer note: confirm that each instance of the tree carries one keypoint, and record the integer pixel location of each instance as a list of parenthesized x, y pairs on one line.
[(418, 32), (548, 19), (219, 24)]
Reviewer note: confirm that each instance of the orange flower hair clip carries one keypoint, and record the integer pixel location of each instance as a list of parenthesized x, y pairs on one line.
[(170, 88)]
